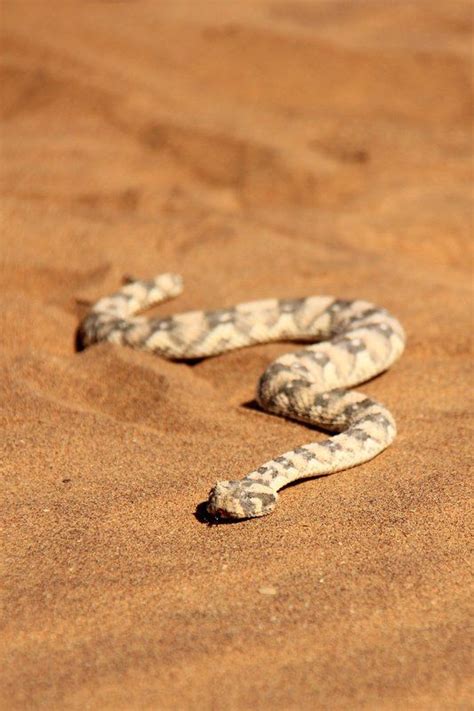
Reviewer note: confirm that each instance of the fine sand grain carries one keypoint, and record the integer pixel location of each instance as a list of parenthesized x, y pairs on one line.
[(260, 149)]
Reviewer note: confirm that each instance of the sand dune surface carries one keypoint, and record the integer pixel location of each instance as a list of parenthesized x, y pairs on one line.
[(260, 149)]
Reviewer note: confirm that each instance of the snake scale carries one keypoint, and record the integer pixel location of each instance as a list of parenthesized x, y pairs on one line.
[(351, 342)]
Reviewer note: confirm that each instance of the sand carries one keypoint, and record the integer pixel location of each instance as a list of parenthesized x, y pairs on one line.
[(260, 149)]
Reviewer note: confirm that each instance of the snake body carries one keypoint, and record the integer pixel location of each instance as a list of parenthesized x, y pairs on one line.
[(351, 342)]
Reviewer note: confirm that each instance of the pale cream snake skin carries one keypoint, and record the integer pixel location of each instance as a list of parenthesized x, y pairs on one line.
[(352, 342)]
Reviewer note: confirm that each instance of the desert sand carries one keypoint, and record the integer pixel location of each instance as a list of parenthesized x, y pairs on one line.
[(260, 149)]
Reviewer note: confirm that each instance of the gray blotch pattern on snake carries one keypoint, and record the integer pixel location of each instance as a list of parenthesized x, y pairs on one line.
[(350, 342)]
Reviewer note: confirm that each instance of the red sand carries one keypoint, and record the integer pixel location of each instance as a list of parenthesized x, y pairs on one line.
[(260, 149)]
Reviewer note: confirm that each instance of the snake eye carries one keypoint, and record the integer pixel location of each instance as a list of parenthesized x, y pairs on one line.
[(212, 518)]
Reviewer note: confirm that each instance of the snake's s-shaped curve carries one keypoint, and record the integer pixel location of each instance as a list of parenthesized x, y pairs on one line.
[(353, 341)]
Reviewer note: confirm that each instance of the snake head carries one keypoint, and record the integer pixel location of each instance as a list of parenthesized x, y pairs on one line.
[(237, 500)]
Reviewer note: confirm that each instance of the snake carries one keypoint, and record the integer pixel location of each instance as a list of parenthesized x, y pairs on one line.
[(349, 342)]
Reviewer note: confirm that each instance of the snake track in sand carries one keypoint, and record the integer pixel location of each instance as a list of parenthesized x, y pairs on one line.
[(352, 341)]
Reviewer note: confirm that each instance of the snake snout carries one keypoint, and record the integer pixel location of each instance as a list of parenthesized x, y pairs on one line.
[(237, 500)]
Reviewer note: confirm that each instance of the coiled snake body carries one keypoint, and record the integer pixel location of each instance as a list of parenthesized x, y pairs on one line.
[(352, 342)]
